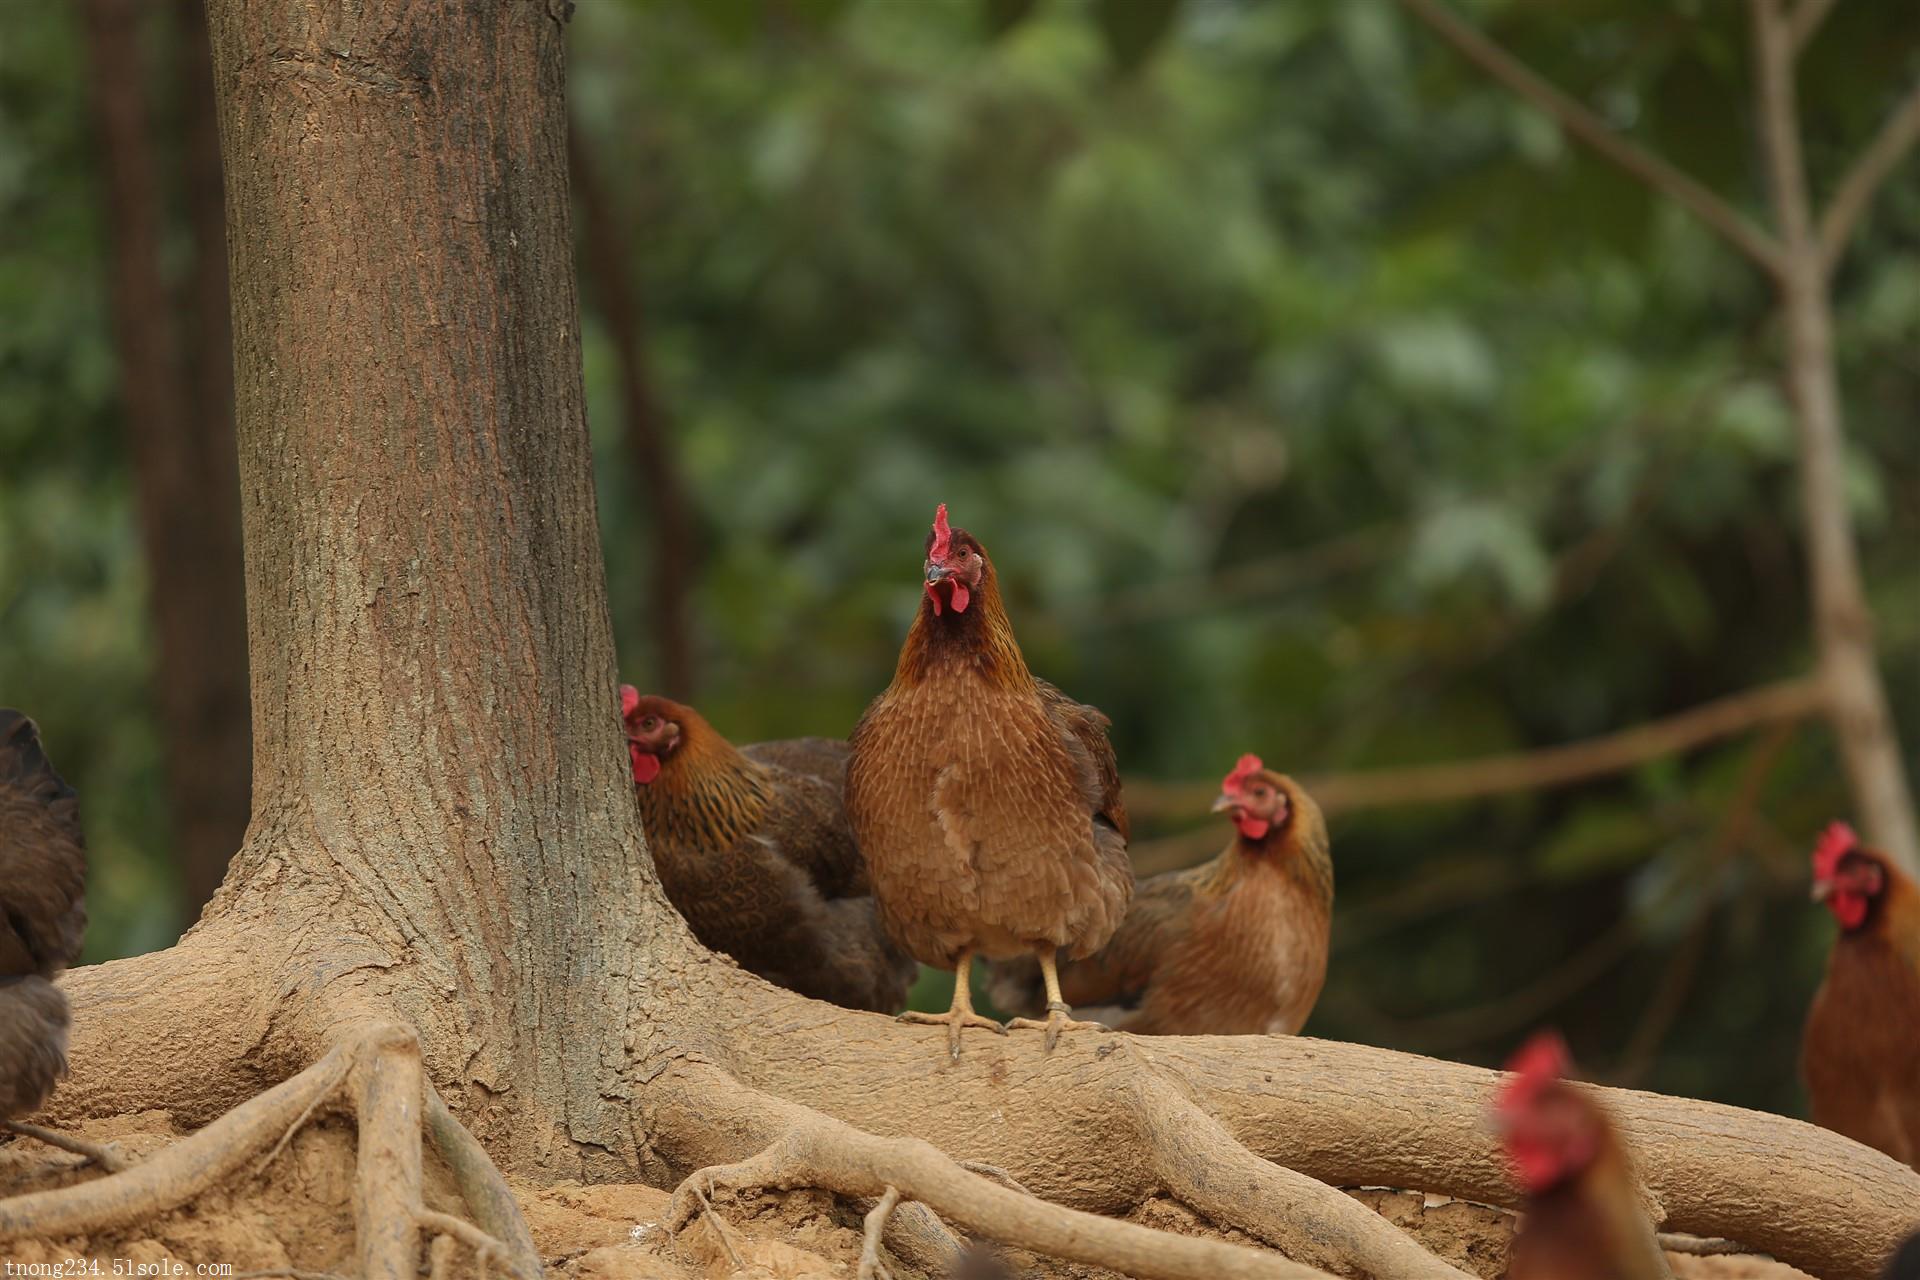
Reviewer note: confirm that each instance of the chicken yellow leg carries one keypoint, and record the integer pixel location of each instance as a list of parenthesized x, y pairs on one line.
[(961, 1013), (1058, 1017)]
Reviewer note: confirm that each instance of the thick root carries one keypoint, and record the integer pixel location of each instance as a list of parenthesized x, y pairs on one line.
[(814, 1150), (379, 1067), (1208, 1169)]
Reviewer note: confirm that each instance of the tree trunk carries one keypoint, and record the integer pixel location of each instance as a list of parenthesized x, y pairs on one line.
[(182, 446), (446, 869), (1856, 697)]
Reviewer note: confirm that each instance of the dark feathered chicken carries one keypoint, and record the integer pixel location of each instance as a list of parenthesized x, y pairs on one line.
[(43, 871), (987, 802), (752, 845), (1235, 946)]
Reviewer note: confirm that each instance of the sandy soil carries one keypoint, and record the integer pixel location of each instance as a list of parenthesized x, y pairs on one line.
[(296, 1214)]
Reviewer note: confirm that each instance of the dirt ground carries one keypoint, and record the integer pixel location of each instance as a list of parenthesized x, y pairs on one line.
[(296, 1215)]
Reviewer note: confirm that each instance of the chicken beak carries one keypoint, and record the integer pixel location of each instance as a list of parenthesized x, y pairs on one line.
[(1224, 803), (1822, 890), (938, 573)]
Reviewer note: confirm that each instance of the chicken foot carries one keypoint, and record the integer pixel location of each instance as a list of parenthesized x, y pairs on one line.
[(815, 1150), (103, 1154), (960, 1013), (1059, 1013), (379, 1068)]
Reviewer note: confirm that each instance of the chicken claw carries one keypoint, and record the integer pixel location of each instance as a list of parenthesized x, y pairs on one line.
[(1056, 1021), (961, 1013), (954, 1020)]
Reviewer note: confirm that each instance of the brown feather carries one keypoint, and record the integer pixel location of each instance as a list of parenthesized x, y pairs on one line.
[(43, 871), (987, 803), (1234, 946), (1860, 1053), (753, 847)]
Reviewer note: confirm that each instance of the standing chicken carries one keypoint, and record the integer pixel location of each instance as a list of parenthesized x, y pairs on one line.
[(43, 870), (1235, 946), (753, 848), (1584, 1218), (1861, 1051), (986, 801)]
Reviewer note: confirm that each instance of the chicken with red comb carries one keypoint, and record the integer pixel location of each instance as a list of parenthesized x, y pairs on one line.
[(1860, 1053), (1584, 1218), (1234, 946), (752, 846), (985, 801)]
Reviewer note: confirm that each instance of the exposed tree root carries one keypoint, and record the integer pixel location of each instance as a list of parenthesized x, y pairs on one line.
[(871, 1265), (1208, 1169), (103, 1154), (817, 1151), (379, 1066)]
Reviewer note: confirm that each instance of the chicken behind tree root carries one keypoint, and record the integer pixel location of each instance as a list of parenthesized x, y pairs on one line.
[(1584, 1217), (985, 801), (1860, 1053), (1234, 946), (753, 848)]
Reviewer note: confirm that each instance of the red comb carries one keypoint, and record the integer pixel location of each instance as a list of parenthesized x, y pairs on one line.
[(629, 699), (942, 535), (1243, 770), (1836, 842), (1541, 1061)]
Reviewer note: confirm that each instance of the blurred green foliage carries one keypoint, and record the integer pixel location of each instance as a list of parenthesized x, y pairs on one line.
[(1314, 397)]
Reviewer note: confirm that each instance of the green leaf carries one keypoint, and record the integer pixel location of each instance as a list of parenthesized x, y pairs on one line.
[(1134, 28), (1002, 16)]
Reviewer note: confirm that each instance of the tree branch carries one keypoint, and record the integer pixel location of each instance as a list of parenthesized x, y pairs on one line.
[(1862, 180), (1526, 771), (1805, 21), (1656, 173)]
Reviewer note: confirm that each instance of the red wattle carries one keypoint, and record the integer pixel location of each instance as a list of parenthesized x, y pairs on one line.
[(1850, 909), (934, 595), (646, 765), (959, 597), (1251, 827)]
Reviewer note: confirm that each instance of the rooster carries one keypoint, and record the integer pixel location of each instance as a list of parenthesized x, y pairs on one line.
[(1584, 1217), (1860, 1054), (987, 802), (752, 846), (1235, 946), (43, 871)]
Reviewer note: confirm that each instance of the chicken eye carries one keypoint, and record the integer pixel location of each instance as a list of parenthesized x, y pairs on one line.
[(650, 722)]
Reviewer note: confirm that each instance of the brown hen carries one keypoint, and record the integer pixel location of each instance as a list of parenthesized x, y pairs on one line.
[(752, 846), (1860, 1053), (43, 871), (1584, 1218), (986, 802), (1235, 946)]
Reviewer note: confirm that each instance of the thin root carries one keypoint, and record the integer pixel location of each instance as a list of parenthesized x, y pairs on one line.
[(871, 1266), (380, 1067), (104, 1154), (1699, 1246)]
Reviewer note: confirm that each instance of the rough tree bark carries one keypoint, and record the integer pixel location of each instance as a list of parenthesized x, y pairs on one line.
[(180, 429), (445, 893)]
